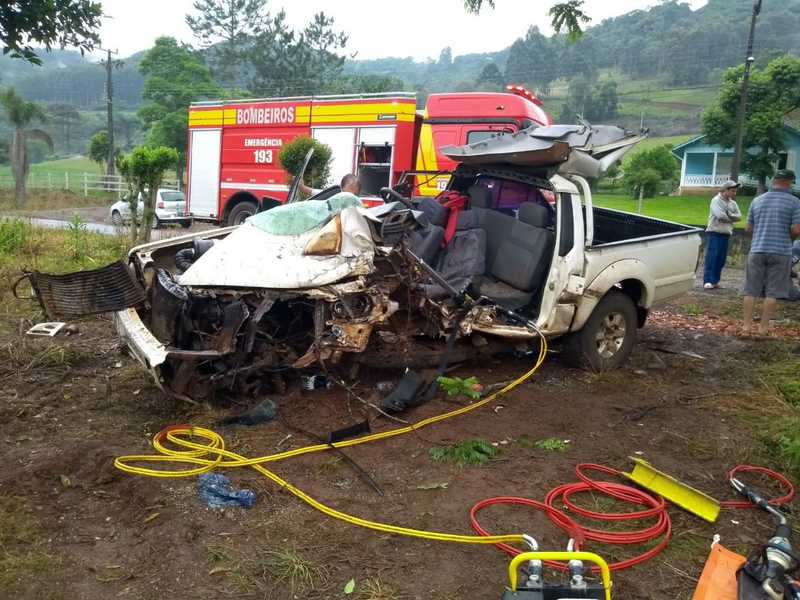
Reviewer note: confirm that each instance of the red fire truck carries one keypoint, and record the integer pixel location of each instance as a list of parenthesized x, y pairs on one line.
[(233, 166)]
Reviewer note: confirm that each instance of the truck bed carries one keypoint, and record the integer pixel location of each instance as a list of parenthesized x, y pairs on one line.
[(668, 252), (615, 227)]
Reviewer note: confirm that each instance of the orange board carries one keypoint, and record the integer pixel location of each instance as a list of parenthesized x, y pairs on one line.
[(718, 581)]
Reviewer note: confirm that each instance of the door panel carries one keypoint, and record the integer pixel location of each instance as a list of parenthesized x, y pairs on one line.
[(204, 172), (342, 142)]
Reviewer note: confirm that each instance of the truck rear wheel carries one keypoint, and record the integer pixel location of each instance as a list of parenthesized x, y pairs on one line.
[(606, 340), (240, 212)]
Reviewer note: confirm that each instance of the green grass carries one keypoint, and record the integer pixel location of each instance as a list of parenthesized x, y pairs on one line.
[(74, 166), (469, 452), (56, 251), (690, 210)]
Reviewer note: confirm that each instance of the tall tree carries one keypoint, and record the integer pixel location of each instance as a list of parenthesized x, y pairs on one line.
[(99, 148), (773, 93), (66, 117), (21, 114), (48, 23), (288, 62), (565, 16), (592, 101), (174, 78), (229, 25), (490, 75), (144, 170)]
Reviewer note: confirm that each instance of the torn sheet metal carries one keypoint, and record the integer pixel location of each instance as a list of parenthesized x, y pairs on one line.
[(108, 289), (570, 149), (251, 258)]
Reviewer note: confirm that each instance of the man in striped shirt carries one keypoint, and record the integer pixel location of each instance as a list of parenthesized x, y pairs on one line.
[(773, 221)]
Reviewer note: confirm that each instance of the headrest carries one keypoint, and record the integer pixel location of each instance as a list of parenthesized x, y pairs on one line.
[(436, 213), (534, 214), (479, 197)]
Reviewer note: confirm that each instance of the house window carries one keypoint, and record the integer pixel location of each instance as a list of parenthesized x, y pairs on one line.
[(783, 160), (724, 164)]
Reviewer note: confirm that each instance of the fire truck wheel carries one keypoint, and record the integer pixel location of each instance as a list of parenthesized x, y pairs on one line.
[(241, 211)]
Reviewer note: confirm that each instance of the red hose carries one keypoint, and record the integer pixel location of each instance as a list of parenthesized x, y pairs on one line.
[(780, 501), (654, 508)]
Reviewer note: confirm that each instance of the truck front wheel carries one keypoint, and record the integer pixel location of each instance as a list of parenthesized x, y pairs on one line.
[(607, 338), (242, 211)]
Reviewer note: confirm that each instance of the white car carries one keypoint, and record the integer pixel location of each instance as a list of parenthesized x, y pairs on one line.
[(170, 208)]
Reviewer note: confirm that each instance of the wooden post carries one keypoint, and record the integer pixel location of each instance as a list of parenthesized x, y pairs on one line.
[(49, 181), (641, 199), (85, 186), (66, 180)]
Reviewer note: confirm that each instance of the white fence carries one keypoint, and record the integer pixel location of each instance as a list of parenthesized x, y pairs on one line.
[(709, 181), (78, 183)]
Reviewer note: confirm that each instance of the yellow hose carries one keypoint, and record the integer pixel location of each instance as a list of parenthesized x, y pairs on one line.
[(206, 457)]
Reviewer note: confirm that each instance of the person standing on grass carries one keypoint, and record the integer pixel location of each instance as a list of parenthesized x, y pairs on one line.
[(724, 212), (774, 221)]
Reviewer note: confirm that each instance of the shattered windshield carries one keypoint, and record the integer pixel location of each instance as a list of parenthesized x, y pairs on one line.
[(299, 217)]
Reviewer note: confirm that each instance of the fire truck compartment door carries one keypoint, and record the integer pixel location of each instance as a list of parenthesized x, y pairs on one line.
[(342, 142), (376, 136), (204, 172)]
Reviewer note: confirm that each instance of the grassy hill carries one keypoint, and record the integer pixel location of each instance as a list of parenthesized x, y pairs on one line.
[(76, 166)]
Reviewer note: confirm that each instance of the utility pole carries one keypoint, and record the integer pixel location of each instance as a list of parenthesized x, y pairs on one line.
[(108, 64), (748, 64)]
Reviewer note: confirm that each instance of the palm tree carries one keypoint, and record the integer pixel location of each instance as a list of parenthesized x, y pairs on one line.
[(20, 114)]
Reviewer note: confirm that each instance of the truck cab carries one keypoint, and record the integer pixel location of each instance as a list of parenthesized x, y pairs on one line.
[(468, 118)]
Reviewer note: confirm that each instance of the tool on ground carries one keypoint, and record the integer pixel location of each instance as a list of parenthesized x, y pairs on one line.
[(535, 588), (718, 579), (680, 494), (766, 574)]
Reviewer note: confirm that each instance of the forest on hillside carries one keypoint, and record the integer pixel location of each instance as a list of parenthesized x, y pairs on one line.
[(664, 62)]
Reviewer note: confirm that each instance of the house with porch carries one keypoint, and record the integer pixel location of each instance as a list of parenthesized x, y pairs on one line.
[(705, 167)]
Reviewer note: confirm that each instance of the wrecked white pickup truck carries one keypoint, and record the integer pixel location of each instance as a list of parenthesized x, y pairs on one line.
[(327, 284)]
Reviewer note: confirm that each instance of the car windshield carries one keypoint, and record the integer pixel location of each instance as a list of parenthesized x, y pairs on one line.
[(299, 217), (173, 196)]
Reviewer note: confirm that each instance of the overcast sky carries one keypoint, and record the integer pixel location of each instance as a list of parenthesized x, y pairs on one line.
[(417, 28)]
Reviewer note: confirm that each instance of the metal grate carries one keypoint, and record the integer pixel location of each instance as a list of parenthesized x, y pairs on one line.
[(108, 289)]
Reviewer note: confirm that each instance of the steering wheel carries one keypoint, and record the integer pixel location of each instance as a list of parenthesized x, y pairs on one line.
[(388, 194)]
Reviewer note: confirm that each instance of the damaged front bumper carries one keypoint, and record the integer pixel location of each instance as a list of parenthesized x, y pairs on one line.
[(141, 343)]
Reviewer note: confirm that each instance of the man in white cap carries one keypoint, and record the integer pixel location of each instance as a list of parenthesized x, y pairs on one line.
[(724, 212)]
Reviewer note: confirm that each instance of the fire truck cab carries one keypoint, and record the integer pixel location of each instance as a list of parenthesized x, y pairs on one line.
[(233, 168)]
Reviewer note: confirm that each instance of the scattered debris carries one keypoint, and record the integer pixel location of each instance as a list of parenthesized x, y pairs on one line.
[(432, 486), (49, 329), (263, 412), (315, 382), (216, 491)]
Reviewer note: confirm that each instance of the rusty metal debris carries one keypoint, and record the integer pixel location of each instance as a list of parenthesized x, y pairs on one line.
[(109, 289)]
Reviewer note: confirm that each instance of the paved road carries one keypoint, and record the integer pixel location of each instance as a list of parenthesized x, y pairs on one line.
[(108, 228)]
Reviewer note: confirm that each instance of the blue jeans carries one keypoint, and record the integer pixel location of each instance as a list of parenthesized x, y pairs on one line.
[(716, 255)]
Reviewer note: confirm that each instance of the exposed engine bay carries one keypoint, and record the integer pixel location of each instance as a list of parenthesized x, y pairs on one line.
[(221, 336)]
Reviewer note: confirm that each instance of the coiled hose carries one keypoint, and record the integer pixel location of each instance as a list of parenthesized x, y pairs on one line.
[(655, 508), (212, 455)]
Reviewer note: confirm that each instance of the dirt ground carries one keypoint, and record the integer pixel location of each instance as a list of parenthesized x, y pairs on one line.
[(72, 526)]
